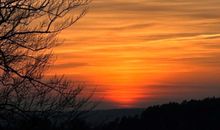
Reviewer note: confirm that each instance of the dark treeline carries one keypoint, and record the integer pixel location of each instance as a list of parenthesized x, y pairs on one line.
[(188, 115)]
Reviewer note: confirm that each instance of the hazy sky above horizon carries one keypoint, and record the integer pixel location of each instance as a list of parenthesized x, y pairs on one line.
[(140, 52)]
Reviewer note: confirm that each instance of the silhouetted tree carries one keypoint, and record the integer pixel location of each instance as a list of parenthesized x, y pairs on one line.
[(28, 30)]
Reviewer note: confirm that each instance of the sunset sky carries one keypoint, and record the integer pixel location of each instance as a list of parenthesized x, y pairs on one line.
[(137, 53)]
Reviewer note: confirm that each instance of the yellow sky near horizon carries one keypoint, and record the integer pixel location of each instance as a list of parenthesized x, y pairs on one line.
[(142, 51)]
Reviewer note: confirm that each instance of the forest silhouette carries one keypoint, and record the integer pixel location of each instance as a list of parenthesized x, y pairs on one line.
[(188, 115)]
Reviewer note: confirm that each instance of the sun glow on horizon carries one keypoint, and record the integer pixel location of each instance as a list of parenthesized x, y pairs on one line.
[(137, 52)]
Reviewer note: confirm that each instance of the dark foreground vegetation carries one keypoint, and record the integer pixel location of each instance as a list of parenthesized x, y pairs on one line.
[(188, 115)]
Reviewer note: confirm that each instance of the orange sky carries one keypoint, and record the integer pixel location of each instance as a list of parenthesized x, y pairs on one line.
[(141, 52)]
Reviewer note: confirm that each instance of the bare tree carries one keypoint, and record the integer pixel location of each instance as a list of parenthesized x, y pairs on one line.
[(28, 30)]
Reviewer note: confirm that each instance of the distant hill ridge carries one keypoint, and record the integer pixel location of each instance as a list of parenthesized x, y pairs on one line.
[(98, 117)]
